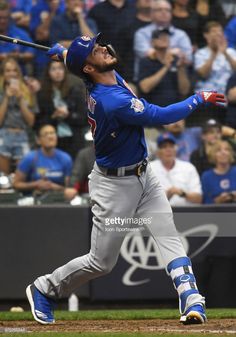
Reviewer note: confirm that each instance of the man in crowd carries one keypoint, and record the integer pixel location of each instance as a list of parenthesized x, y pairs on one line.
[(161, 19), (163, 77), (179, 178), (214, 64), (66, 26), (45, 169)]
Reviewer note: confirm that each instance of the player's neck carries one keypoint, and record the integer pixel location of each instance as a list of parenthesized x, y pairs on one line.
[(106, 78)]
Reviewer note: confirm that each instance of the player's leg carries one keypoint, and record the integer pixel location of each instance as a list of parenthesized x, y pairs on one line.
[(178, 265), (106, 195)]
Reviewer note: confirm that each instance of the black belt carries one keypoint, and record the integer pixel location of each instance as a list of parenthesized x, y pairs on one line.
[(137, 171)]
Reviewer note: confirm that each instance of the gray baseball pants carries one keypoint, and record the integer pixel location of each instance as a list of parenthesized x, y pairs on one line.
[(116, 197)]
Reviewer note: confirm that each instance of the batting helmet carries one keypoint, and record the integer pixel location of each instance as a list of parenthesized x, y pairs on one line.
[(78, 51)]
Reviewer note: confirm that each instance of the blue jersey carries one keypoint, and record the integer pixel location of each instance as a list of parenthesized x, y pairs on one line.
[(214, 184), (36, 165), (117, 118)]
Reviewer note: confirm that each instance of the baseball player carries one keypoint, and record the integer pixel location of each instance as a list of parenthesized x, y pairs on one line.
[(122, 185)]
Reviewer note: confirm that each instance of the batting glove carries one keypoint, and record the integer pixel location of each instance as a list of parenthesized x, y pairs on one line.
[(211, 97), (56, 52)]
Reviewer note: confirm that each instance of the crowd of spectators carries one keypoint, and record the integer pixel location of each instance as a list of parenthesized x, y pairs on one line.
[(167, 51)]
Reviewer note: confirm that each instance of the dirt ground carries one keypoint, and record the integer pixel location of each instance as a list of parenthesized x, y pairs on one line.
[(226, 326)]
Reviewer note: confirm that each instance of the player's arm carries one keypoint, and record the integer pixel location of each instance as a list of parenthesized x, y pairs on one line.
[(174, 112), (139, 112)]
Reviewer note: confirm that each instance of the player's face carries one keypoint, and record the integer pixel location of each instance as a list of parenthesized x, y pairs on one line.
[(101, 59), (47, 137), (57, 72)]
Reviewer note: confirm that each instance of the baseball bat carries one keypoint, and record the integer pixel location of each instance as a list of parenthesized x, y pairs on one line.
[(24, 43)]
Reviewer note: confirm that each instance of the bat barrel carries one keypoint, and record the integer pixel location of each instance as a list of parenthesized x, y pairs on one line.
[(24, 43)]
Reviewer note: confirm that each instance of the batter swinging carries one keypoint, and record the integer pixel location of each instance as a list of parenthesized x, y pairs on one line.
[(122, 183)]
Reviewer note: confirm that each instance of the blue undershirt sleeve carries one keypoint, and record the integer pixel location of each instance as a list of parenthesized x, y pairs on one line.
[(140, 112), (174, 112)]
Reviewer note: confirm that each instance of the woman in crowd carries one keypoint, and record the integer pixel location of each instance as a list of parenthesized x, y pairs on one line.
[(62, 104), (17, 114), (219, 183), (207, 10), (184, 17)]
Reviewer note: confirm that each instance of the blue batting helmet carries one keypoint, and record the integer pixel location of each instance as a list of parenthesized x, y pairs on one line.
[(78, 51)]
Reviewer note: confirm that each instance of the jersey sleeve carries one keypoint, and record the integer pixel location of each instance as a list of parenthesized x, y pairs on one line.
[(130, 110)]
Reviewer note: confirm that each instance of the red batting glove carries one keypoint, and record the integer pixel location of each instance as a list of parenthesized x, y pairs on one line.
[(212, 97)]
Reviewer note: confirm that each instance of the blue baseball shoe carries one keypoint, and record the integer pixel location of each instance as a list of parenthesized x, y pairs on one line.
[(194, 315), (41, 306)]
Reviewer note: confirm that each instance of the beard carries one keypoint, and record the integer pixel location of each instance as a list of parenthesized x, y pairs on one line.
[(106, 67)]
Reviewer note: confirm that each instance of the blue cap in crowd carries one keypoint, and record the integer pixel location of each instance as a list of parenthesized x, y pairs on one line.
[(78, 51), (166, 137)]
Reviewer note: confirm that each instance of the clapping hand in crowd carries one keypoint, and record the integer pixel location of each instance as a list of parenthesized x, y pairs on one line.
[(218, 43)]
